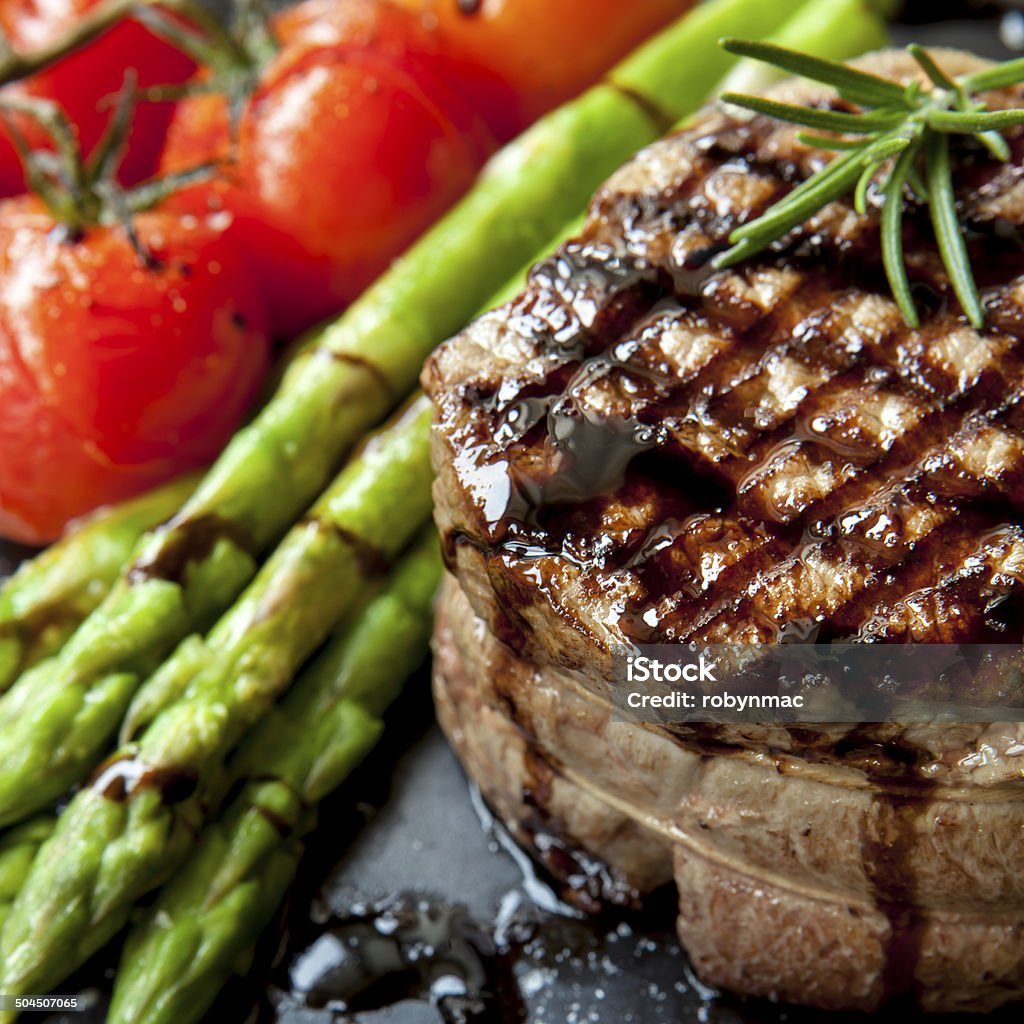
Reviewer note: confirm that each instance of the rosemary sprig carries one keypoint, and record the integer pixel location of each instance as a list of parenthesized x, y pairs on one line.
[(898, 141)]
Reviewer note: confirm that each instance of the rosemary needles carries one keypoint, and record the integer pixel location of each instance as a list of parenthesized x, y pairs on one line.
[(899, 140)]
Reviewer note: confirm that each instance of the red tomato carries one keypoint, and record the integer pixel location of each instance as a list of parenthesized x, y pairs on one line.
[(113, 375), (354, 140), (379, 24), (544, 51), (85, 81)]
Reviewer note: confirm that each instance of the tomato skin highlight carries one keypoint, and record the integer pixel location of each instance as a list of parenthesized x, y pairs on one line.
[(352, 207), (354, 140), (115, 376), (542, 52), (84, 82)]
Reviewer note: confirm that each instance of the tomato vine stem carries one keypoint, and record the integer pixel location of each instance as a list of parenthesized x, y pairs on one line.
[(15, 65)]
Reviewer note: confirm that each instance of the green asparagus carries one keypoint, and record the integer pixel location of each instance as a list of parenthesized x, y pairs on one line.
[(57, 717), (18, 849), (47, 598), (41, 756), (177, 957), (106, 853), (836, 29), (127, 830)]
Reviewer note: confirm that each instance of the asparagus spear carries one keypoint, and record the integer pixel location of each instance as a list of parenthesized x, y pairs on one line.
[(60, 713), (52, 729), (47, 598), (131, 826), (834, 29), (18, 849), (90, 861), (178, 956)]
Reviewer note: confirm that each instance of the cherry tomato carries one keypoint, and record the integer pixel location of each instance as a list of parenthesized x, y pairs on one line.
[(404, 31), (379, 24), (544, 51), (353, 141), (84, 82), (114, 374)]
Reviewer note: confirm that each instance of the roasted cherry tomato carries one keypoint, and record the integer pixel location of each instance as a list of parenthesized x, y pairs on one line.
[(84, 82), (355, 138), (116, 374), (543, 51)]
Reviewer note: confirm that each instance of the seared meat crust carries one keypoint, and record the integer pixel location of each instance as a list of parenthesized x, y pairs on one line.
[(640, 450)]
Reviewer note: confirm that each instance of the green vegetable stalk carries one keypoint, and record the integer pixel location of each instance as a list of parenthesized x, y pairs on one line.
[(177, 958), (107, 851), (131, 826), (43, 603), (833, 29), (62, 713), (362, 516), (18, 849)]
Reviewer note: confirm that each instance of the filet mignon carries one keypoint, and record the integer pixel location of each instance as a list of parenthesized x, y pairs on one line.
[(641, 450)]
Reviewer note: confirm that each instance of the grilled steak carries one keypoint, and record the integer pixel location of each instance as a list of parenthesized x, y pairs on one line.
[(641, 450), (814, 874)]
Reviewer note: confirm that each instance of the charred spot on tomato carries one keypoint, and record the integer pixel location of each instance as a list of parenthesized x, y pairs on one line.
[(149, 260), (470, 7)]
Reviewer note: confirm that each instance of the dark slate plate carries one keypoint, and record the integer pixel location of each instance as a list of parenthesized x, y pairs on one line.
[(415, 908)]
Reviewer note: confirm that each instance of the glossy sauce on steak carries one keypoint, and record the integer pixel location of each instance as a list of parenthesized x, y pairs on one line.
[(658, 452), (640, 449)]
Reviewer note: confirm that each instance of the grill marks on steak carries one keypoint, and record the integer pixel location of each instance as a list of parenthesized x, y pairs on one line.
[(638, 448), (662, 452)]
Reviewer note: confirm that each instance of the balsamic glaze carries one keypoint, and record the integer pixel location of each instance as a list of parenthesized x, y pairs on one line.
[(34, 631), (889, 838), (587, 456), (191, 540), (406, 947), (372, 560)]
